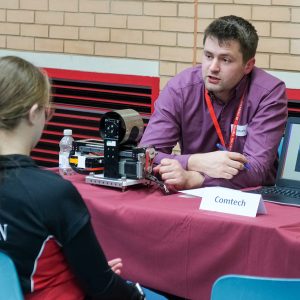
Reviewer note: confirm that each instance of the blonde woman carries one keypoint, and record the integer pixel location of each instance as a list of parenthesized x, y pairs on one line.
[(45, 226)]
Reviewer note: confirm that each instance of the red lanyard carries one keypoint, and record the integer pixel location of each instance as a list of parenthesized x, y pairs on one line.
[(216, 123)]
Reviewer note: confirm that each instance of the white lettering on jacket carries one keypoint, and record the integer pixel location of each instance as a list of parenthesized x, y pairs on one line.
[(3, 232)]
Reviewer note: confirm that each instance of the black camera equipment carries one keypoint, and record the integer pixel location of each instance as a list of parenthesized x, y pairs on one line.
[(121, 130), (116, 160)]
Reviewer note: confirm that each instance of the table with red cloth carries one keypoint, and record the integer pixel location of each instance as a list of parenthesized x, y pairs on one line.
[(167, 243)]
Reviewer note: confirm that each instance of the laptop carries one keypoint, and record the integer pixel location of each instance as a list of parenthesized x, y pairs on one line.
[(287, 187)]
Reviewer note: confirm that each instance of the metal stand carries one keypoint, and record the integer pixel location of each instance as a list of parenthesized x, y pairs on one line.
[(122, 183)]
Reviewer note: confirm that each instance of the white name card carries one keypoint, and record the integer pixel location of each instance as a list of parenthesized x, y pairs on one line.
[(229, 201)]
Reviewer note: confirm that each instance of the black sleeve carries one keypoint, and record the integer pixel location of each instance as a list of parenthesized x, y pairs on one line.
[(89, 264)]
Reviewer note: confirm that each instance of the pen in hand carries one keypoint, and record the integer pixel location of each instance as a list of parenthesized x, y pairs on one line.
[(222, 148)]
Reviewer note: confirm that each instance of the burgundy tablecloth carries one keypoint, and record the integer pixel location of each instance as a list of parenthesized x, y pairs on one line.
[(167, 243)]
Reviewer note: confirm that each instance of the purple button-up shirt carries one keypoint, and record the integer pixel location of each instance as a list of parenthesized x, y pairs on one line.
[(181, 115)]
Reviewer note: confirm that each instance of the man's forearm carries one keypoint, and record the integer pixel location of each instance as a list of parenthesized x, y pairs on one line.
[(194, 180), (194, 163)]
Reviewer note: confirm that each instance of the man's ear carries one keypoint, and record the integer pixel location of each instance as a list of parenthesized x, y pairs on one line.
[(34, 113), (249, 65)]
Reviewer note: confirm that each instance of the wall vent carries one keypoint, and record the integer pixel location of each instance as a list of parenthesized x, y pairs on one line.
[(294, 102)]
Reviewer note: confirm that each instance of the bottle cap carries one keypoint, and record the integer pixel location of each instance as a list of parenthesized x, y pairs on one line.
[(67, 131)]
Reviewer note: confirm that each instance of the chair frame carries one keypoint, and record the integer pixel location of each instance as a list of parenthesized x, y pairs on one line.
[(10, 288), (242, 287)]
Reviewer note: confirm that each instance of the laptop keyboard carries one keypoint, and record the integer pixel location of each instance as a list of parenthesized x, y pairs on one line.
[(280, 191)]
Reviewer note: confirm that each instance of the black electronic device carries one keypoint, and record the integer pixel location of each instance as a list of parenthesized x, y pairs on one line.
[(287, 188), (121, 131), (115, 159)]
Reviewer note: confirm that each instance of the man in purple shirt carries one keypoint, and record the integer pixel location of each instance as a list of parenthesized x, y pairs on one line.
[(224, 104)]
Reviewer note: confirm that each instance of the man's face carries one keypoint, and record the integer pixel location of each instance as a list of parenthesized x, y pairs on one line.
[(223, 67)]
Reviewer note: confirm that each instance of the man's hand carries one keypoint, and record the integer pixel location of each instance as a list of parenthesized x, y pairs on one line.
[(116, 265), (218, 164), (175, 176)]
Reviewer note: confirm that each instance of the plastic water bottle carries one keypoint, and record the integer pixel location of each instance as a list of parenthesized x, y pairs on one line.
[(65, 146)]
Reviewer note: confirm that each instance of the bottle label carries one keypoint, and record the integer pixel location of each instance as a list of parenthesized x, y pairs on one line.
[(64, 160)]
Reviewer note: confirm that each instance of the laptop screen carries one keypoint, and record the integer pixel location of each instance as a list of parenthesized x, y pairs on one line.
[(289, 168)]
